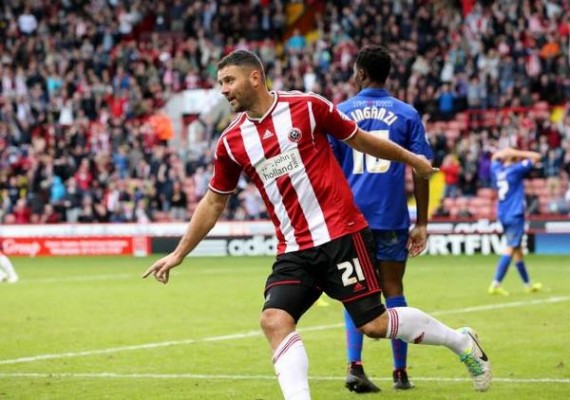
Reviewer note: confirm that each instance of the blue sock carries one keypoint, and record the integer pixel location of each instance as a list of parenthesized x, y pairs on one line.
[(523, 272), (502, 268), (353, 340), (399, 347)]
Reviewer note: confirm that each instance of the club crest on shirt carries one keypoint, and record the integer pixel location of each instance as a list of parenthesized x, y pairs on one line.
[(294, 134)]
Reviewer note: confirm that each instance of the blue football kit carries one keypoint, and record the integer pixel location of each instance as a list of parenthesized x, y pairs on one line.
[(379, 189), (379, 185), (508, 181)]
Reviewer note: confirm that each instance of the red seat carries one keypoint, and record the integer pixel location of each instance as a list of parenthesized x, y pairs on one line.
[(449, 202), (462, 201), (487, 193)]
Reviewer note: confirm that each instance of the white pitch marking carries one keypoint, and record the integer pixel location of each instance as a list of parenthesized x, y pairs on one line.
[(251, 334), (109, 277), (79, 278), (61, 375)]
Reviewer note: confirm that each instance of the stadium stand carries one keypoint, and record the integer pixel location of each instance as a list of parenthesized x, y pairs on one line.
[(84, 136)]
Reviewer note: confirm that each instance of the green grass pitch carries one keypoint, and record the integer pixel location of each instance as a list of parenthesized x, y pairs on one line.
[(91, 328)]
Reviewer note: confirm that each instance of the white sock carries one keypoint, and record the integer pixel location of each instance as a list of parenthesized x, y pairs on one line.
[(7, 266), (292, 368), (415, 326)]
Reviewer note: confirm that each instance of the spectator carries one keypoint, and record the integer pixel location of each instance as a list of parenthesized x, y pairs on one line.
[(531, 201), (252, 202), (552, 164), (450, 168), (50, 215), (178, 202), (296, 43), (27, 22), (559, 204), (22, 213), (93, 87), (445, 102), (441, 211)]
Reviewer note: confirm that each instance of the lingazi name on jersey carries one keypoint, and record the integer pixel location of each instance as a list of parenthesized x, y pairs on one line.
[(379, 113)]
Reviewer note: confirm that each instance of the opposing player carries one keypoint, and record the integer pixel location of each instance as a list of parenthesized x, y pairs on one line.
[(279, 140), (7, 271), (379, 190), (508, 169)]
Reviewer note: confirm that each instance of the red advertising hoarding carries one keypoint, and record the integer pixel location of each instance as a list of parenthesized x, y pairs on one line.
[(75, 246)]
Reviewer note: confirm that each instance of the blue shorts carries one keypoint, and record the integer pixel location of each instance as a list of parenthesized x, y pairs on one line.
[(391, 245), (514, 231)]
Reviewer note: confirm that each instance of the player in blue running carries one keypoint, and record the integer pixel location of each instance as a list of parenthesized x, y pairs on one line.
[(508, 170), (379, 189)]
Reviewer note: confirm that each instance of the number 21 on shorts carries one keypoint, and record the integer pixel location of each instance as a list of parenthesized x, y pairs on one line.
[(351, 272)]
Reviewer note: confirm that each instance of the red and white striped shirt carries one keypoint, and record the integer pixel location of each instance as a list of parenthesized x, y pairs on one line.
[(287, 155)]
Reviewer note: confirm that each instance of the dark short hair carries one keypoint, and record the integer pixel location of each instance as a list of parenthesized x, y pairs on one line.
[(241, 58), (375, 61)]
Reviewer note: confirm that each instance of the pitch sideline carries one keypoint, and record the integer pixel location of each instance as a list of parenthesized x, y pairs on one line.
[(113, 375)]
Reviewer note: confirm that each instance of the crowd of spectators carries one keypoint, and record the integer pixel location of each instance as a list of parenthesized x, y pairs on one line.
[(83, 136)]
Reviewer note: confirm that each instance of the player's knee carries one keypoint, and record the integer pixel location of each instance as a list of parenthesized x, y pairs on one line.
[(274, 320), (376, 328)]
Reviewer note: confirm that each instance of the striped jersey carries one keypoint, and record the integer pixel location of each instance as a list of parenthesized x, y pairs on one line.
[(286, 154)]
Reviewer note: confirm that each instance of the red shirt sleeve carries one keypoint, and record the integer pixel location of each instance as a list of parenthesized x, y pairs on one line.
[(226, 169), (331, 120)]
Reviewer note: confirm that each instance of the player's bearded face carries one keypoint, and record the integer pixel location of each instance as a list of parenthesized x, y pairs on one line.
[(236, 88)]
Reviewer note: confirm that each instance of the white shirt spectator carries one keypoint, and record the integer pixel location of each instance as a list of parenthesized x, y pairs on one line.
[(309, 79), (447, 72), (27, 23), (7, 272)]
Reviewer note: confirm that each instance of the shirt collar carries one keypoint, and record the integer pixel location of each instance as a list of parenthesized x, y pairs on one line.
[(374, 92)]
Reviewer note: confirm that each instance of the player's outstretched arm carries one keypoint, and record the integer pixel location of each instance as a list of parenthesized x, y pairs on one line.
[(207, 213), (382, 148)]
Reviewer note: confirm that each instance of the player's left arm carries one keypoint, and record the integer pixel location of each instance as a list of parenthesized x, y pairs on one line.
[(419, 144), (387, 150), (332, 121), (418, 235)]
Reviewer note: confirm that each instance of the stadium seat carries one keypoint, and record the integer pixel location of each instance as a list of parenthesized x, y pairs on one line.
[(453, 211), (462, 202), (487, 212), (449, 202), (487, 193)]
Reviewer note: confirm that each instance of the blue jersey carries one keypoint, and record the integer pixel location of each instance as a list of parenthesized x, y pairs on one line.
[(379, 185), (509, 182)]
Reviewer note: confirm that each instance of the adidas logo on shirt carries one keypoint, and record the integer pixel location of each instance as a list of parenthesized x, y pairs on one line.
[(267, 134)]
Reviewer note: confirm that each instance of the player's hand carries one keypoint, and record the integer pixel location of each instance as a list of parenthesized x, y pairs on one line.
[(161, 268), (417, 240), (423, 168)]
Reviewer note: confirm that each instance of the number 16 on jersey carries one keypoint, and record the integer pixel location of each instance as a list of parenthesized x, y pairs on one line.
[(373, 165)]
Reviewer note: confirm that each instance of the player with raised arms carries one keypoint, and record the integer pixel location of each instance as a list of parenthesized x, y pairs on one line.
[(508, 170)]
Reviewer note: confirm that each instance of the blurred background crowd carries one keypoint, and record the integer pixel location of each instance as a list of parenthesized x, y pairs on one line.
[(84, 135)]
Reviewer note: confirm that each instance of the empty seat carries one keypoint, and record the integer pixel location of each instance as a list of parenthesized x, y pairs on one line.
[(487, 193), (448, 202)]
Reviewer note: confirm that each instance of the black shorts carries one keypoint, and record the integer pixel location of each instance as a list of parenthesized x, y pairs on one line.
[(343, 268)]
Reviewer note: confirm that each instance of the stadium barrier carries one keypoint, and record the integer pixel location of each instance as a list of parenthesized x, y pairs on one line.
[(256, 238)]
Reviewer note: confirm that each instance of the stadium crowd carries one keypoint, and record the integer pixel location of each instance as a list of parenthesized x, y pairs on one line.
[(84, 136)]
